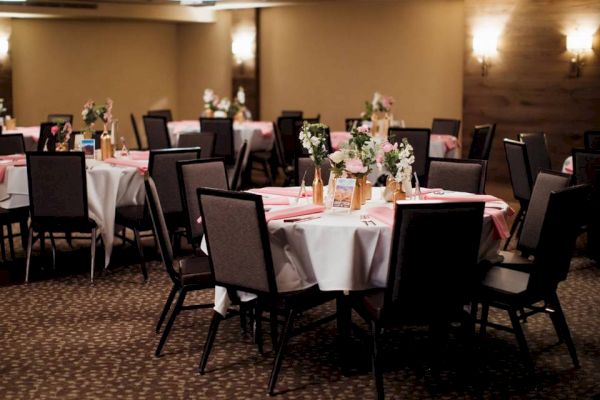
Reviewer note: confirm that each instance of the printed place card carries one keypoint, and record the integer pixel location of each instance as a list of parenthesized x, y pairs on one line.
[(88, 146), (344, 189)]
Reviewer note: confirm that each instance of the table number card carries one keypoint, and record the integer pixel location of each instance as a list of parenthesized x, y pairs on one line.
[(344, 189), (88, 146)]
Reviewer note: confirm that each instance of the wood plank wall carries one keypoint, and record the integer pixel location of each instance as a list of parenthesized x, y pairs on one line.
[(528, 88)]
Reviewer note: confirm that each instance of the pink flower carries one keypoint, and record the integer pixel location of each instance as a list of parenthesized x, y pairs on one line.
[(355, 166), (54, 130), (363, 129), (387, 147), (379, 158)]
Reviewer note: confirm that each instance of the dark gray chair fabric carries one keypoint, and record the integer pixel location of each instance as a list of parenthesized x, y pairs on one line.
[(431, 274), (55, 118), (520, 178), (166, 114), (292, 113), (204, 140), (188, 274), (223, 131), (585, 164), (136, 132), (445, 126), (481, 143), (306, 165), (12, 143), (419, 140), (592, 140), (537, 152), (457, 175), (157, 133)]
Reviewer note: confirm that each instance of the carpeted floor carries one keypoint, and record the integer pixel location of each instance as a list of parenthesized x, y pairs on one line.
[(61, 338)]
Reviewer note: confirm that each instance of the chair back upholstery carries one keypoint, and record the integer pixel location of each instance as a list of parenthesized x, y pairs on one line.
[(157, 133), (458, 175), (56, 118), (585, 164), (46, 139), (352, 123), (204, 140), (278, 145), (288, 131), (306, 165), (223, 131), (194, 174), (161, 113), (591, 140), (240, 165), (12, 143), (537, 152), (434, 257), (162, 168), (419, 140), (57, 185), (518, 168), (161, 231), (561, 226), (546, 183), (292, 113), (481, 144), (237, 238), (445, 126), (136, 132)]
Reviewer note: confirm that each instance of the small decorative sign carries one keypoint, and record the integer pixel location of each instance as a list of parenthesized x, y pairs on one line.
[(88, 146), (344, 189)]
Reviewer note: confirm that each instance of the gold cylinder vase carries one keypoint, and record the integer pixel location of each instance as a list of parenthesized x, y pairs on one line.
[(317, 187), (105, 146)]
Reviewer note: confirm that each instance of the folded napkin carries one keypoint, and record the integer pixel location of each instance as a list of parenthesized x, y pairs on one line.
[(294, 212), (383, 214), (500, 227), (430, 190), (139, 155), (276, 201), (282, 191), (451, 142), (452, 197), (141, 165)]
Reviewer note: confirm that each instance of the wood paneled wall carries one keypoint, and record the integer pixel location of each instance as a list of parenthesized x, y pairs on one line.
[(528, 88)]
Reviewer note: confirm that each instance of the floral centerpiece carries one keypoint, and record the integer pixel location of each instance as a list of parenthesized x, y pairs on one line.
[(91, 113), (396, 159), (378, 111), (61, 133), (314, 139), (214, 106)]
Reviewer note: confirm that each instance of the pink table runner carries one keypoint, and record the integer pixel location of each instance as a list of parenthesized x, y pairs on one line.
[(449, 197), (276, 201), (294, 212), (383, 214), (141, 165), (281, 191)]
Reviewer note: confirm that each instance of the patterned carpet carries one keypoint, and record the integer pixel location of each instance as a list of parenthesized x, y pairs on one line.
[(61, 338)]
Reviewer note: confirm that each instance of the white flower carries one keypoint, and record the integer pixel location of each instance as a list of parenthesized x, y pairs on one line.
[(241, 96), (337, 157), (315, 141), (209, 96), (224, 104)]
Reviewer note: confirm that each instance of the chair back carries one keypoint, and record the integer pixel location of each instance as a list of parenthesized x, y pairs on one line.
[(306, 165), (238, 240), (12, 143), (57, 185), (537, 152), (288, 131), (204, 140), (445, 126), (481, 144), (162, 168), (46, 139), (60, 118), (136, 132), (561, 226), (292, 113), (240, 165), (457, 175), (161, 232), (591, 140), (546, 183), (352, 123), (585, 164), (223, 131), (419, 140), (518, 168), (433, 261), (157, 133), (194, 174), (278, 145), (161, 113)]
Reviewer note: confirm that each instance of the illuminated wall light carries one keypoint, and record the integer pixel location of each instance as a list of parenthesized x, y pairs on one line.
[(4, 46), (485, 47), (579, 42), (243, 45)]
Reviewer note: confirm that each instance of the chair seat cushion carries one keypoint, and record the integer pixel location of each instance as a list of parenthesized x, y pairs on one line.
[(63, 224), (195, 271), (514, 260), (506, 281)]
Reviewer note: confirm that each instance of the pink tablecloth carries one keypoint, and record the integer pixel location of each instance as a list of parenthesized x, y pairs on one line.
[(141, 165), (32, 132), (282, 191)]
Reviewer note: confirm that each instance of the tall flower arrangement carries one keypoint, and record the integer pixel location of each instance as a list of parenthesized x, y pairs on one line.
[(91, 112), (62, 133), (397, 159), (314, 139), (379, 104)]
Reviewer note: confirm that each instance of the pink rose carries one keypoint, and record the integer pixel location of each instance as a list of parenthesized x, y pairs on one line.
[(54, 130), (363, 129), (355, 166), (379, 158), (387, 147)]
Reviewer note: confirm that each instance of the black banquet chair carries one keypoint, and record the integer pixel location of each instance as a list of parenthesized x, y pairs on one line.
[(235, 220), (58, 200), (419, 139), (591, 140), (157, 133), (136, 132), (166, 113), (585, 164), (457, 175), (187, 274), (481, 142), (537, 152), (445, 126), (520, 179), (12, 143), (222, 128), (204, 140), (431, 274)]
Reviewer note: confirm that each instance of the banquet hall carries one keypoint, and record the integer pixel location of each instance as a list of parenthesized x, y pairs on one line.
[(374, 199)]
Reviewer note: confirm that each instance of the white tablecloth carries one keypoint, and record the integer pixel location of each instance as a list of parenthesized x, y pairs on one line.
[(249, 131), (107, 187), (31, 135), (339, 252)]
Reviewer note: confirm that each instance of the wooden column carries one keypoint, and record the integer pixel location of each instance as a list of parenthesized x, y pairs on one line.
[(5, 66), (245, 64)]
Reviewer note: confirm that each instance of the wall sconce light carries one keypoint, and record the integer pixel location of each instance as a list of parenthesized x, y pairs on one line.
[(485, 47), (243, 45), (579, 43), (4, 46)]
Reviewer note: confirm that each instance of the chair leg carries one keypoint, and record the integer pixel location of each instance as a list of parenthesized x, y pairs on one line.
[(375, 362), (344, 319), (29, 246), (285, 337), (258, 334), (518, 330), (210, 339), (11, 243), (93, 255), (243, 321), (274, 330), (562, 329), (166, 308), (485, 309), (138, 243), (23, 231), (174, 313), (53, 245), (2, 245), (267, 169)]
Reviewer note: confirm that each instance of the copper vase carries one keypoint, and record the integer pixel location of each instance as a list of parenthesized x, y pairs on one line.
[(317, 187), (357, 195)]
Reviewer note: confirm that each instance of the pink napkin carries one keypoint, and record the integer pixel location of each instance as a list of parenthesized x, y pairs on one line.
[(430, 190), (338, 138), (2, 173), (459, 197), (500, 227), (13, 157), (282, 191), (276, 201), (568, 167), (265, 127), (139, 155), (451, 142), (383, 214), (141, 165), (294, 212)]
